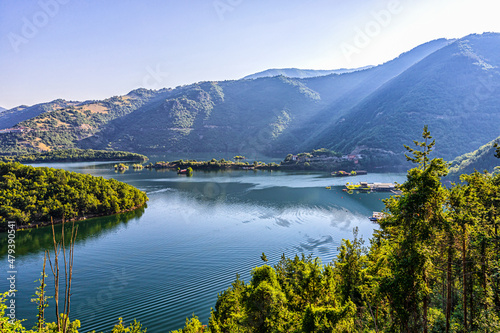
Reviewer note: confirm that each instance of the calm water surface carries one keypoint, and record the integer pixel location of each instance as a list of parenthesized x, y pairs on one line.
[(163, 263)]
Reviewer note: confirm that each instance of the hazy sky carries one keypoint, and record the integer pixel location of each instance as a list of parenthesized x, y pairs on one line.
[(94, 49)]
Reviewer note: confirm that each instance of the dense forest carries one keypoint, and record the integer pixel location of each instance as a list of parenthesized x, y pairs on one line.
[(74, 155), (480, 159), (31, 196)]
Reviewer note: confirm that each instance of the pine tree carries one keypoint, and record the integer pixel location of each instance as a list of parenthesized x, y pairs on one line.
[(415, 217)]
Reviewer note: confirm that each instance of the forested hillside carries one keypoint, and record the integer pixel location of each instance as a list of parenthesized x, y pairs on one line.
[(452, 90), (481, 159), (450, 85), (74, 155), (62, 124), (31, 196), (11, 117), (215, 116)]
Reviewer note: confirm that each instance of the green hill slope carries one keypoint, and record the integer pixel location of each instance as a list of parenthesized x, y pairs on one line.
[(452, 90), (11, 117), (449, 85), (241, 115), (64, 124), (480, 160)]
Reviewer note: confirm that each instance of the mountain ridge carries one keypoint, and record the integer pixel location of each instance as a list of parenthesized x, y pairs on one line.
[(430, 94), (298, 73), (374, 110)]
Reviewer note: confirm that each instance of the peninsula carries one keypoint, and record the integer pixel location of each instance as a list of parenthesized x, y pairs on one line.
[(33, 196)]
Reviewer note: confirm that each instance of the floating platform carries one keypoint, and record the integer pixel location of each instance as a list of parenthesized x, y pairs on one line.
[(373, 187)]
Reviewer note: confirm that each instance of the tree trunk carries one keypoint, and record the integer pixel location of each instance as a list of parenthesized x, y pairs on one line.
[(464, 277), (426, 304), (41, 305), (448, 284), (471, 298), (55, 272), (483, 272), (496, 297)]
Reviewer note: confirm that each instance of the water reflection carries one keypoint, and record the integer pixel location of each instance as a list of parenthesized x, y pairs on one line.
[(37, 239), (319, 243), (197, 233)]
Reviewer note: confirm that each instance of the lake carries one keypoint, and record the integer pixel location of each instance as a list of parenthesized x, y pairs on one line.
[(163, 263)]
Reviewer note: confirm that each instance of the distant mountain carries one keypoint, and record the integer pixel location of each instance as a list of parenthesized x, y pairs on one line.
[(301, 73), (453, 91), (243, 115), (269, 114), (62, 124), (21, 113), (2, 109), (480, 160), (341, 93), (449, 85)]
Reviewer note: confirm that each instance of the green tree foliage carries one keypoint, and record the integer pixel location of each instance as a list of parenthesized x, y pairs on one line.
[(193, 325), (134, 327), (411, 228), (296, 295), (74, 155), (484, 158), (348, 266), (8, 322), (30, 195)]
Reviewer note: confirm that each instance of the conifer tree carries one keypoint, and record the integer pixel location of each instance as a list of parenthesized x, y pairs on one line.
[(415, 216)]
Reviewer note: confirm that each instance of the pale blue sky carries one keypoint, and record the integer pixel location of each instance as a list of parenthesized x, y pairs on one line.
[(94, 49)]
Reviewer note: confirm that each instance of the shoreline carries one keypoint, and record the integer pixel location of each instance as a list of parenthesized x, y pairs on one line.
[(75, 219), (210, 166)]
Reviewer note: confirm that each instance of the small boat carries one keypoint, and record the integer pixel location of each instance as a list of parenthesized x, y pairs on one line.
[(377, 216), (182, 171), (328, 187)]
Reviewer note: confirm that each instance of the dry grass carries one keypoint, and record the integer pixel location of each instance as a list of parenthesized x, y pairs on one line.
[(93, 108)]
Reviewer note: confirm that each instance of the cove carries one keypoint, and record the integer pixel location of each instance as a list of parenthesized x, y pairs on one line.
[(162, 263)]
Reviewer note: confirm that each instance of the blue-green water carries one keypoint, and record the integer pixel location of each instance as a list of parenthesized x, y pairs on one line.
[(163, 263)]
